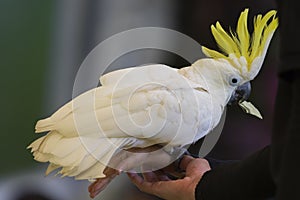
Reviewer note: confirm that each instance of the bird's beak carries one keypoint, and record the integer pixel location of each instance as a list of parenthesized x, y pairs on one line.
[(241, 94), (239, 97)]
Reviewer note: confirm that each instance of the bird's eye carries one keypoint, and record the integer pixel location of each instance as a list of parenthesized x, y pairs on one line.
[(234, 80)]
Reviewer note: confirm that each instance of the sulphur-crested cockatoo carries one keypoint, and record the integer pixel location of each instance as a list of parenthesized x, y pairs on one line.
[(154, 104)]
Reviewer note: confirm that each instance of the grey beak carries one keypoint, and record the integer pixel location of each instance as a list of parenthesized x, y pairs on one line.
[(241, 93)]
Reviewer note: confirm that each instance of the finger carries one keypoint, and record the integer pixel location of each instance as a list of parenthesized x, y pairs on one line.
[(140, 183), (156, 160), (162, 176), (159, 188), (145, 150), (117, 159), (197, 167), (91, 186), (137, 180), (131, 162), (150, 177), (111, 172), (185, 161), (98, 186), (133, 158)]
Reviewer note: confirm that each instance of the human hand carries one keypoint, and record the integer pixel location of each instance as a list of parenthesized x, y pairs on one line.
[(138, 159), (159, 184)]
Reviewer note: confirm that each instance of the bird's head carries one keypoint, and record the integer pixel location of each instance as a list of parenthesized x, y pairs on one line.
[(243, 53)]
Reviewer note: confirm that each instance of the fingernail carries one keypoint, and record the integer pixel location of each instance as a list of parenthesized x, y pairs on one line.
[(131, 175)]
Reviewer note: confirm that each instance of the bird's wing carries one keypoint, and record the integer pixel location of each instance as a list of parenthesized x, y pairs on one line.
[(135, 107), (138, 75), (126, 103)]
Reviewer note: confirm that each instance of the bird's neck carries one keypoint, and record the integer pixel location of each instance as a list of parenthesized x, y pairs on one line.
[(211, 80)]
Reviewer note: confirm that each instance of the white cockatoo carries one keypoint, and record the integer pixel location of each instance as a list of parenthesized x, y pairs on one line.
[(143, 106)]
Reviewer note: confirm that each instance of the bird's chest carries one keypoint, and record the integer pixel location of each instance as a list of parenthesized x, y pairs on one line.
[(198, 114)]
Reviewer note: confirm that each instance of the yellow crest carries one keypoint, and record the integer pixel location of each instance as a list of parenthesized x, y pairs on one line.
[(244, 51)]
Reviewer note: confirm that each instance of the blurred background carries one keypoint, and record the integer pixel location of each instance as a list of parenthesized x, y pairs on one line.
[(42, 46)]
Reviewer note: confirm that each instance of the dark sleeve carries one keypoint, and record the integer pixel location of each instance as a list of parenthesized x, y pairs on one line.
[(285, 145), (285, 163), (213, 163), (247, 179), (289, 29)]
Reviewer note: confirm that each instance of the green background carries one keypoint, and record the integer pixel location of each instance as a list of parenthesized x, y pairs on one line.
[(25, 32)]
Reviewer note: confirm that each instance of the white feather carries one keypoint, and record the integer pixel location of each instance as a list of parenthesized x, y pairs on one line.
[(131, 106)]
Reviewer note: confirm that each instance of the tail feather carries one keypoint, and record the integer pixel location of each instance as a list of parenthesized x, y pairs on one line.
[(51, 168), (82, 158), (41, 157), (88, 161), (72, 160), (66, 146), (49, 142), (34, 146), (92, 172), (48, 124), (94, 163), (44, 125)]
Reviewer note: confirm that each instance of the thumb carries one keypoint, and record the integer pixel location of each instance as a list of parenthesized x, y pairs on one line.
[(185, 161), (197, 167)]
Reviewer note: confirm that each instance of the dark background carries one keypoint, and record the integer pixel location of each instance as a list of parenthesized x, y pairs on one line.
[(43, 44)]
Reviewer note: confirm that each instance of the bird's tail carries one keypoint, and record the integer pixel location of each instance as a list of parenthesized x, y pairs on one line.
[(79, 157), (44, 125), (48, 124)]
